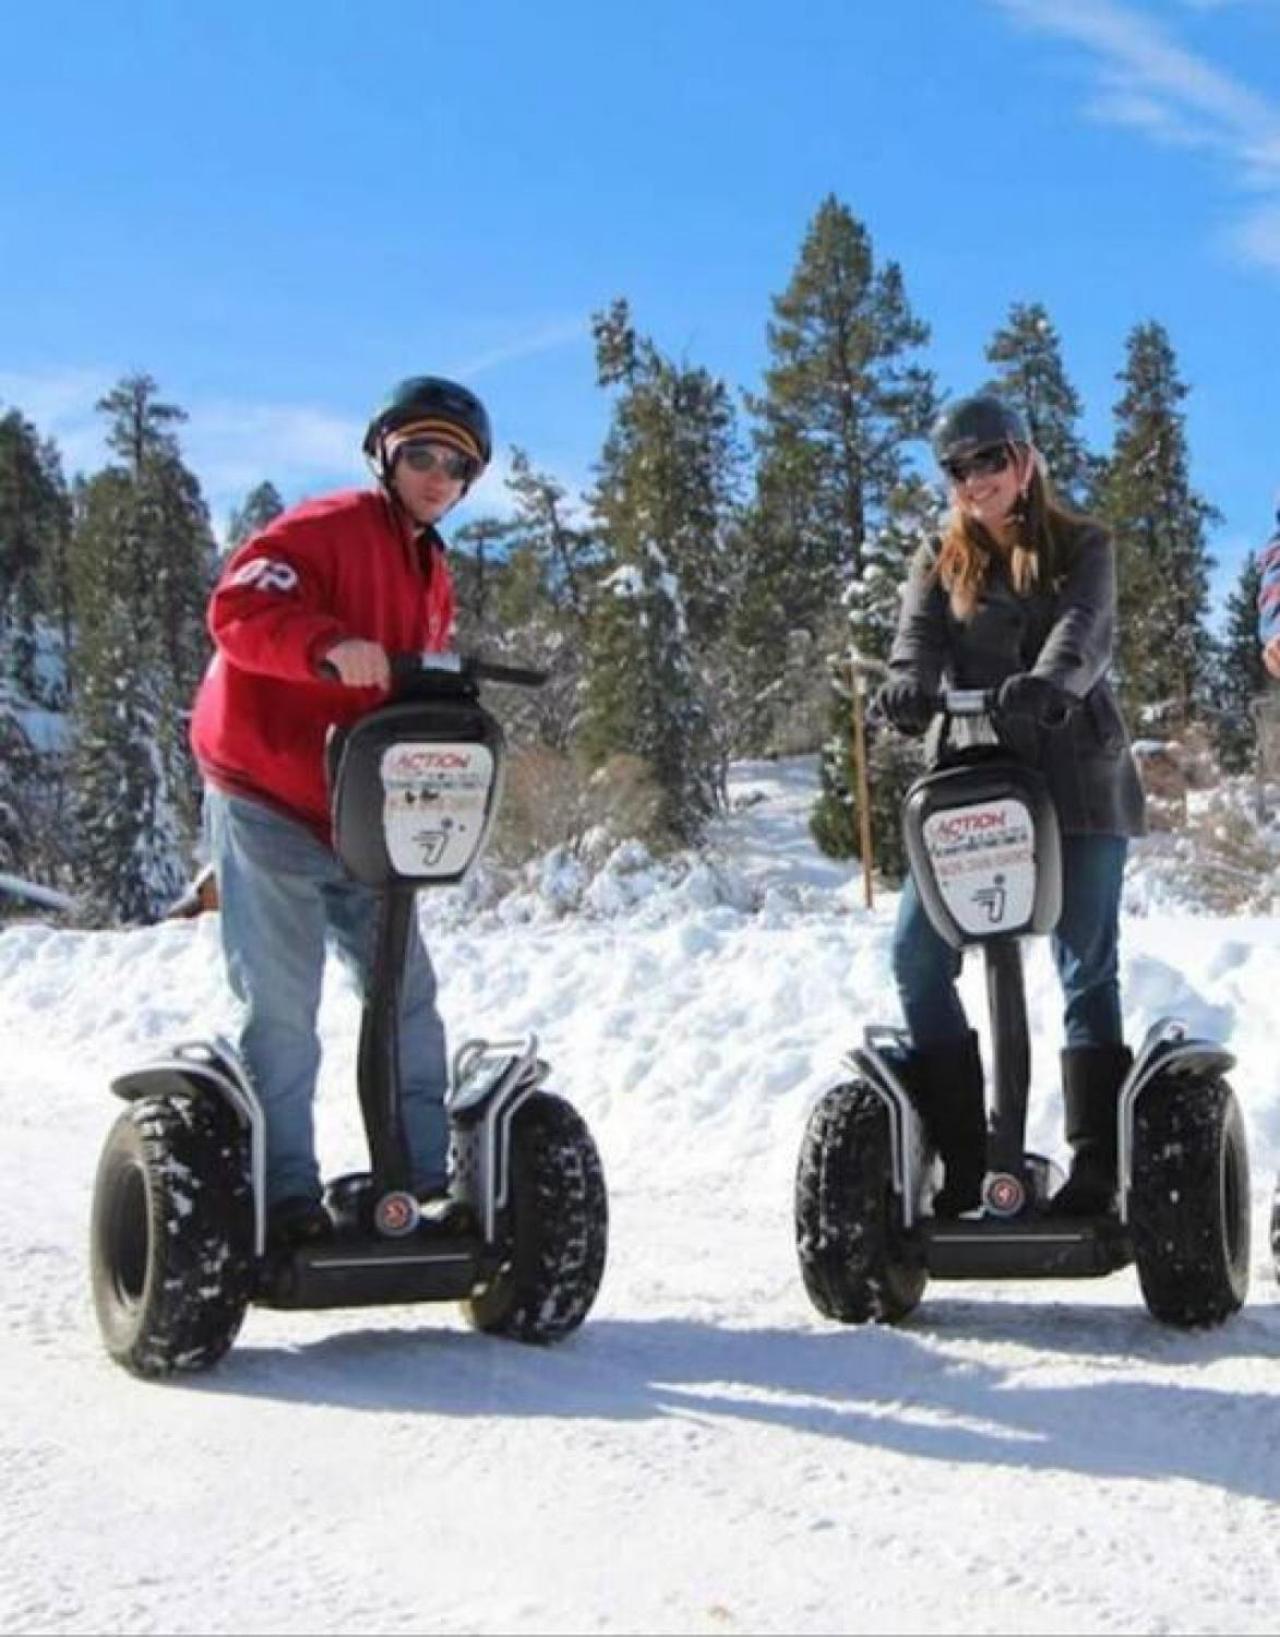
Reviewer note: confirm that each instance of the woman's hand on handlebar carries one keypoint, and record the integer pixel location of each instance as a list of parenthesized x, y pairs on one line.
[(907, 706), (1028, 697), (358, 664)]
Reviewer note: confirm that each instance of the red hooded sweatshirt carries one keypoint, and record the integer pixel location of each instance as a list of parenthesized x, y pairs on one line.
[(342, 566)]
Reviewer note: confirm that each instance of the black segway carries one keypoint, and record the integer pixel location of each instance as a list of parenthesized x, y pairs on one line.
[(178, 1238), (984, 850)]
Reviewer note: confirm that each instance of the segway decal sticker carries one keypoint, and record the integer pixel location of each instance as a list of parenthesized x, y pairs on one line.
[(435, 797), (983, 858)]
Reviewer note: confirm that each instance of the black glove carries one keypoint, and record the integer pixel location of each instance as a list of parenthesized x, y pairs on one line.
[(1029, 698), (906, 706)]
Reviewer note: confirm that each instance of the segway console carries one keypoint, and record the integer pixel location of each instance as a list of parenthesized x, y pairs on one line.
[(178, 1238), (984, 850)]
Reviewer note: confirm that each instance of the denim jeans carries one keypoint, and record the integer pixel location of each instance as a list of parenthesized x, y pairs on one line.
[(1084, 946), (283, 896)]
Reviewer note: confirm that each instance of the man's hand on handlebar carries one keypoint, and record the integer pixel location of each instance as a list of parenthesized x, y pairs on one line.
[(905, 705), (359, 664)]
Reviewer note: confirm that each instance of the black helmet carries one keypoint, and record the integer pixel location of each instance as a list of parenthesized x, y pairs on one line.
[(446, 410), (970, 424)]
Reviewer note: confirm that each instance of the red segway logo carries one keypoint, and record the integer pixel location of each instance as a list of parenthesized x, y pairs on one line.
[(1004, 1195), (395, 1215), (958, 825), (408, 761)]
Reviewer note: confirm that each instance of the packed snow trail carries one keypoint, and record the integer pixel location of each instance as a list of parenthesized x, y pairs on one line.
[(707, 1454)]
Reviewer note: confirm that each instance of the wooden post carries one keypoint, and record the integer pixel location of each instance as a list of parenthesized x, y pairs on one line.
[(860, 775)]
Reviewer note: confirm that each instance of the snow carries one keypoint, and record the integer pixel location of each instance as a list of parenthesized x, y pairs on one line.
[(707, 1453)]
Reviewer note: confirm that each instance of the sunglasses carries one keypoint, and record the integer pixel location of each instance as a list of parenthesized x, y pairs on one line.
[(435, 457), (982, 463)]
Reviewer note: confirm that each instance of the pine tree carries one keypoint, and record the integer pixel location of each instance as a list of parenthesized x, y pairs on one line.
[(477, 552), (544, 603), (667, 493), (262, 505), (34, 525), (1240, 678), (1158, 523), (142, 559), (1033, 380), (912, 518), (842, 398)]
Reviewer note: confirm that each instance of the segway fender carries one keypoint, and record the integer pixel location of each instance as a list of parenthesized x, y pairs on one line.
[(209, 1068), (1167, 1052), (879, 1061), (492, 1080)]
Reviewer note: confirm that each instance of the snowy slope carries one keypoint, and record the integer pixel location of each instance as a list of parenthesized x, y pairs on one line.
[(707, 1454)]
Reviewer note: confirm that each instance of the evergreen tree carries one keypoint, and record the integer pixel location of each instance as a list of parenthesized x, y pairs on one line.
[(842, 398), (477, 552), (142, 565), (1158, 523), (1240, 678), (262, 505), (544, 603), (34, 525), (666, 496), (567, 555), (912, 518), (1033, 380)]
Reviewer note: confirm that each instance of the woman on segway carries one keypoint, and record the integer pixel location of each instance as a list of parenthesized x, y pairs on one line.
[(1018, 595)]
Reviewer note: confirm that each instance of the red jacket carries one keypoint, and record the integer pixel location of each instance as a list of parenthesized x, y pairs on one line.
[(343, 566)]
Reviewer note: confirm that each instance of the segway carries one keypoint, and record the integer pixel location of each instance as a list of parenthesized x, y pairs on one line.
[(178, 1238), (984, 850)]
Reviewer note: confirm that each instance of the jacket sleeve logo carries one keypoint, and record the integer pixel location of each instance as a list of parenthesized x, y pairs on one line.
[(266, 575)]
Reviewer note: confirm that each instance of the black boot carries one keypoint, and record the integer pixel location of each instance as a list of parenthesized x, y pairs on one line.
[(947, 1081), (1091, 1081)]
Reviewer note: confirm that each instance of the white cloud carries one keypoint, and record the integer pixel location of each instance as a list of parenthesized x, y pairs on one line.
[(1149, 82), (543, 339)]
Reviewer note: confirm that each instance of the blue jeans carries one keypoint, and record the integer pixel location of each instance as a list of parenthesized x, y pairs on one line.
[(283, 895), (1084, 945)]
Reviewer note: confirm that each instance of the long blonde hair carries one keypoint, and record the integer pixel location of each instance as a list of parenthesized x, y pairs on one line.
[(1043, 538)]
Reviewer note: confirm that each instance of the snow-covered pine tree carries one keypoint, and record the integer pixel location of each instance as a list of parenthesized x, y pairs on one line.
[(543, 604), (1158, 523), (843, 396), (1033, 379), (664, 504), (35, 524), (912, 518), (142, 555), (1239, 676), (35, 520)]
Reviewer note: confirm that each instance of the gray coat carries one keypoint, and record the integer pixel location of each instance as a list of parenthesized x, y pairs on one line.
[(1064, 633)]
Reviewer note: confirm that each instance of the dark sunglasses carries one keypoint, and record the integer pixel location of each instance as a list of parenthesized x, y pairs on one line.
[(982, 463), (434, 457)]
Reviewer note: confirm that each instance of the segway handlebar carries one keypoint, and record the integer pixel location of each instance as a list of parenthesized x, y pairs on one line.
[(470, 667), (414, 671)]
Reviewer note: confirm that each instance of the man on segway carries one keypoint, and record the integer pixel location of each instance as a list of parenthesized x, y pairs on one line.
[(303, 618), (1018, 595)]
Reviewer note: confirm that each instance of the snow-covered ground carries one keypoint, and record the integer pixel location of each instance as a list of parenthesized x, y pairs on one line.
[(707, 1453)]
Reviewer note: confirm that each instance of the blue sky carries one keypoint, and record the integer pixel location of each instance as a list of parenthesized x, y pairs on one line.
[(278, 208)]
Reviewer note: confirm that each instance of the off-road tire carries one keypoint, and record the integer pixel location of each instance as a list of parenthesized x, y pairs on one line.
[(1189, 1201), (171, 1238), (556, 1227), (854, 1258)]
